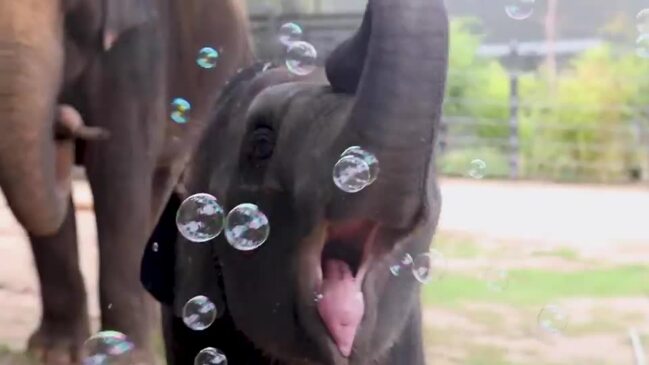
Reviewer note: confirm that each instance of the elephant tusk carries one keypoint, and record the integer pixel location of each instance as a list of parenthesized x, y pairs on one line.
[(69, 124)]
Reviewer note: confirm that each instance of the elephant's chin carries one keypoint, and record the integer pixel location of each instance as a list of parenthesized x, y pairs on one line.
[(333, 268)]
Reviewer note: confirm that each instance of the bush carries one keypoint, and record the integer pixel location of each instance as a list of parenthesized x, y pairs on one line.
[(586, 126)]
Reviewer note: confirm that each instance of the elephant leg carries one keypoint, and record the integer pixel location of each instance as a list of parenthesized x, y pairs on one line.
[(122, 207), (64, 324)]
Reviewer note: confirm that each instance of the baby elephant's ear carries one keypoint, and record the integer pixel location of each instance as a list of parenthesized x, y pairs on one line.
[(159, 262)]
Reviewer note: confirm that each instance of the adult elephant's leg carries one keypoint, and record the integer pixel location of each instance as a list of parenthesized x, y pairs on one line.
[(119, 175), (64, 322), (125, 100)]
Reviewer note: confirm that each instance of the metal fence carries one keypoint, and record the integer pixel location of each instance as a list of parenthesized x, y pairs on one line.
[(515, 146)]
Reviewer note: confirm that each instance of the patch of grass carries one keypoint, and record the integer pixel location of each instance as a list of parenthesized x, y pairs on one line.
[(486, 355), (564, 253), (457, 246), (534, 287)]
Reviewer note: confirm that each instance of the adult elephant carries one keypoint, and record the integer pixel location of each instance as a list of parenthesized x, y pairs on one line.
[(92, 81), (320, 289)]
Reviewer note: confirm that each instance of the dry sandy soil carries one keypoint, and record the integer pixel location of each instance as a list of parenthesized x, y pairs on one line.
[(599, 222)]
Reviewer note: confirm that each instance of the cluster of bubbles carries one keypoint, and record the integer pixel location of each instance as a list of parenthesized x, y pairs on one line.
[(181, 108), (301, 56), (355, 170), (199, 313), (642, 25), (519, 9), (424, 267), (107, 348), (201, 218)]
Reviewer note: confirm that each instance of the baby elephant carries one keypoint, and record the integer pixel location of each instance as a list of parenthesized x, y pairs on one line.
[(320, 289)]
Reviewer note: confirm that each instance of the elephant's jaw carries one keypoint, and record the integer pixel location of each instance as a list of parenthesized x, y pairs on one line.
[(345, 258)]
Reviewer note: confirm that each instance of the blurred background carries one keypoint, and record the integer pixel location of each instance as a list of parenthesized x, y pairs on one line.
[(543, 243)]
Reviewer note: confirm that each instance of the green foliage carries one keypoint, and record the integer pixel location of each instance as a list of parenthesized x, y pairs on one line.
[(586, 123)]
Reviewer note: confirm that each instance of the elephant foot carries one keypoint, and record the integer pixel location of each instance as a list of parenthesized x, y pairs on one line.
[(59, 344)]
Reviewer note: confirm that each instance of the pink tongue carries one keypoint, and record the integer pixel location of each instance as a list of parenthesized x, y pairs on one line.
[(342, 305)]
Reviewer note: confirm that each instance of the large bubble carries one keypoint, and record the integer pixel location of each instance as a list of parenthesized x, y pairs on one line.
[(200, 218), (107, 348), (210, 356), (290, 33), (199, 313), (301, 58), (519, 9), (247, 227), (355, 170)]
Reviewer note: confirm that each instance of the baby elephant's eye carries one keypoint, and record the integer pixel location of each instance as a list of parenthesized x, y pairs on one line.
[(262, 143)]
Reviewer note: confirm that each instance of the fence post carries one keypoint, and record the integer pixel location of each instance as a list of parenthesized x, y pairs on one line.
[(514, 105)]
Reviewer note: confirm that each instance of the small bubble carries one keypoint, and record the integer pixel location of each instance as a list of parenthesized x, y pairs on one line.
[(497, 280), (552, 319), (519, 9), (155, 247), (317, 297), (199, 313), (247, 227), (210, 356), (404, 263), (200, 218), (180, 109), (290, 33), (642, 21), (428, 266), (477, 169), (107, 348), (301, 58), (642, 46), (355, 170), (207, 57), (110, 306)]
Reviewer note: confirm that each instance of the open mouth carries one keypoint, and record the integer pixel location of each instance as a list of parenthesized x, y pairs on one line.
[(345, 259)]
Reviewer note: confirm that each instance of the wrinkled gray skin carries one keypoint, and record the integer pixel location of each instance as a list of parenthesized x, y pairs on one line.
[(91, 81), (273, 142)]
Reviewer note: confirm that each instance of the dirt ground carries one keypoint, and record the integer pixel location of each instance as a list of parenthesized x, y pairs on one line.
[(609, 223)]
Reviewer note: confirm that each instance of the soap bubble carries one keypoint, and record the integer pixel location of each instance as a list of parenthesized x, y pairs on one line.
[(155, 247), (199, 313), (301, 58), (642, 46), (107, 348), (428, 266), (200, 218), (180, 109), (477, 169), (355, 170), (207, 57), (210, 356), (247, 227), (552, 319), (404, 263), (290, 33), (642, 21), (497, 279), (520, 9)]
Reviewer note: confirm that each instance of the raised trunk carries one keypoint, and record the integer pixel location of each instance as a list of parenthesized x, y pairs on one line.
[(401, 53), (34, 170)]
